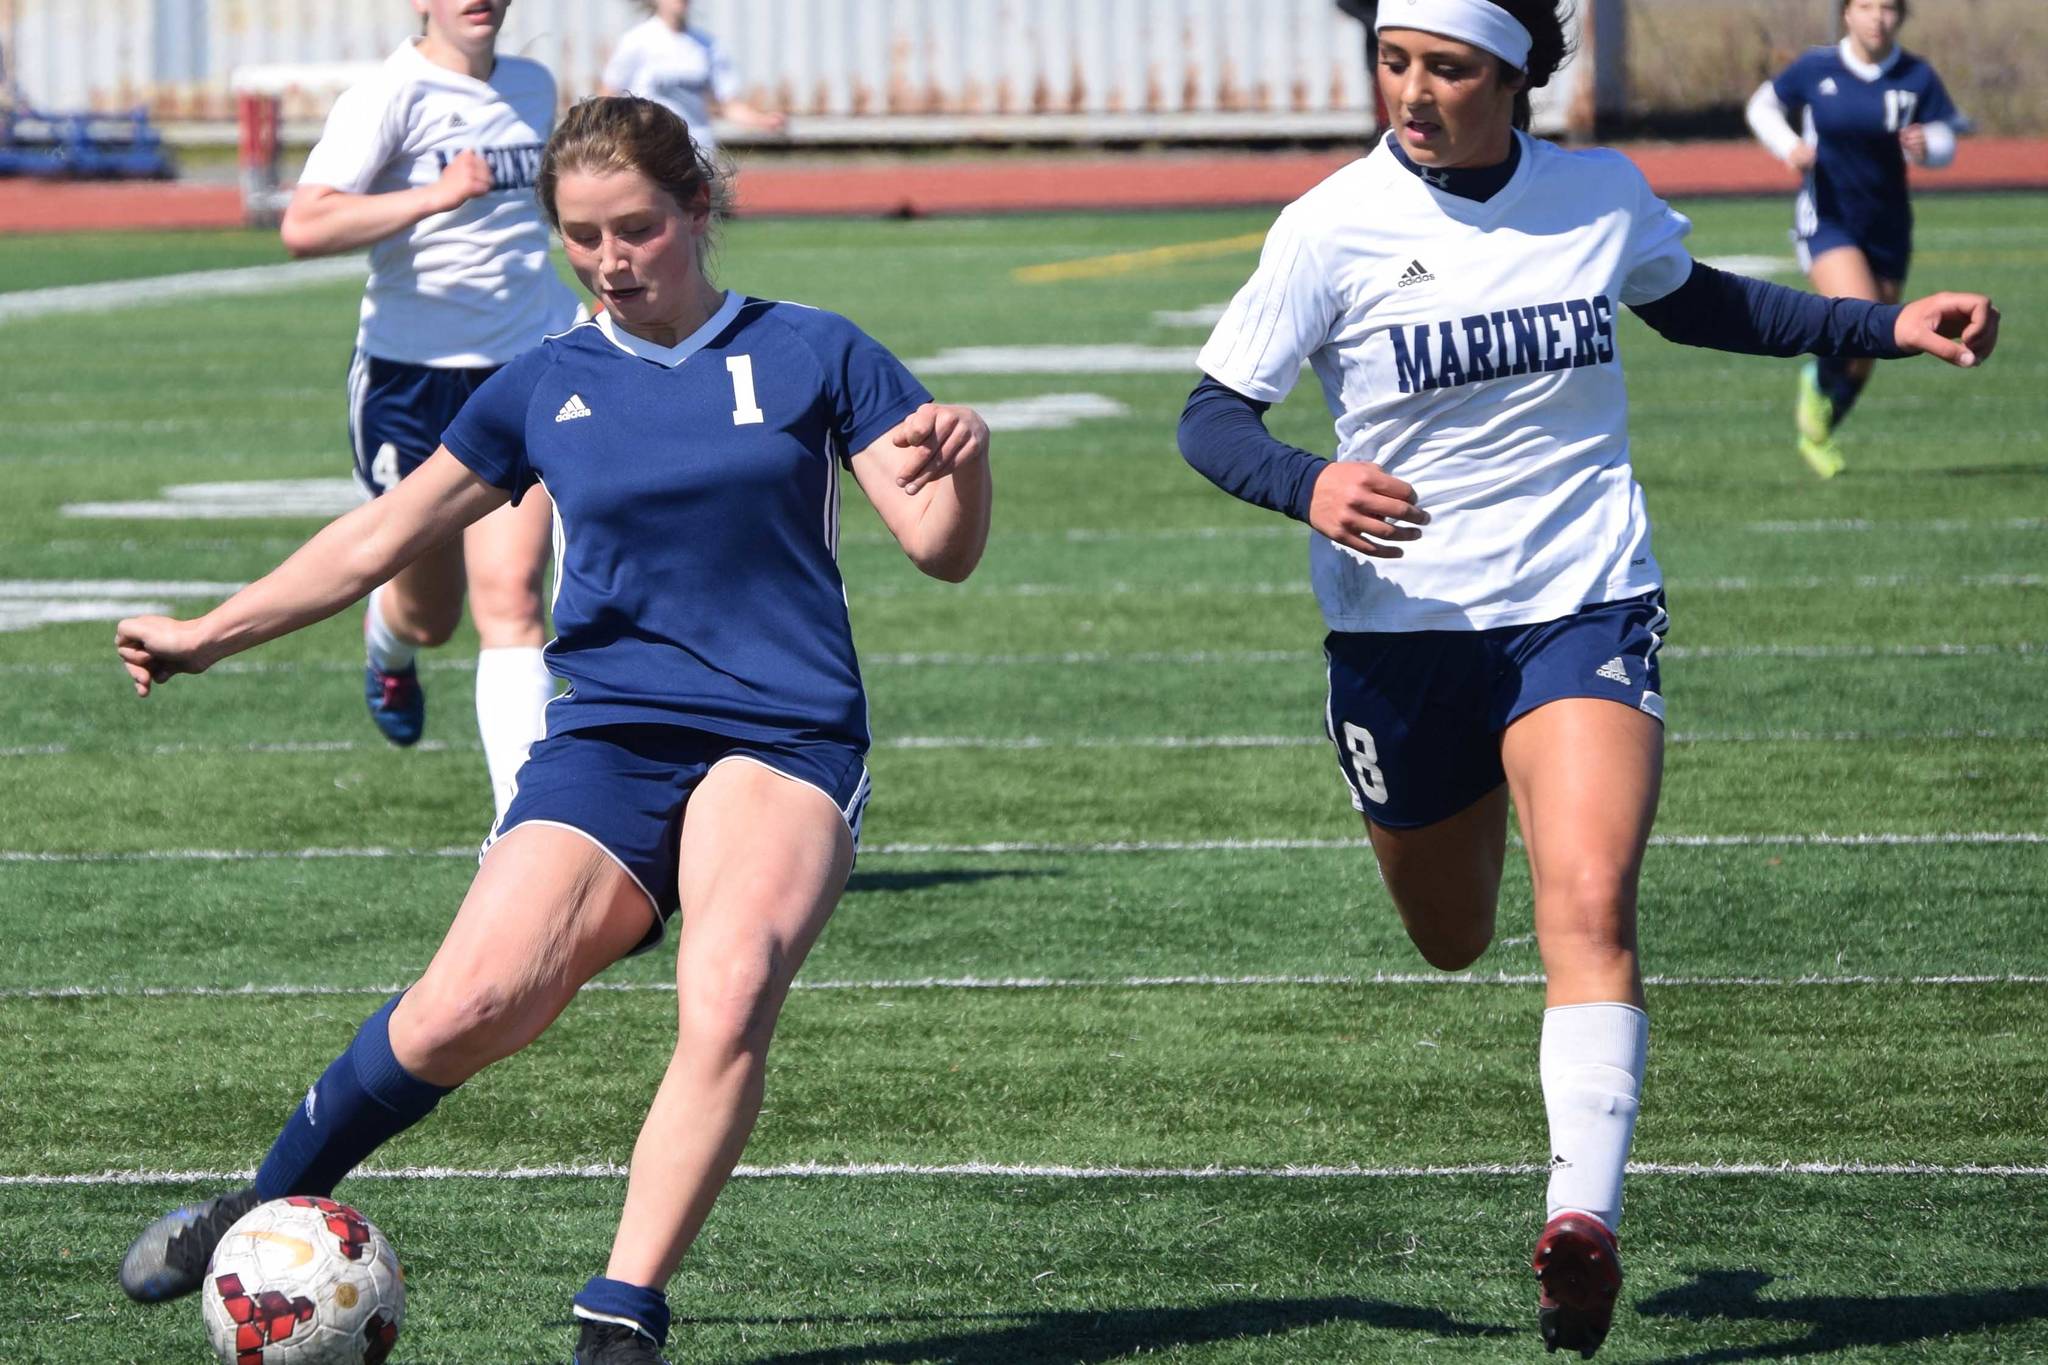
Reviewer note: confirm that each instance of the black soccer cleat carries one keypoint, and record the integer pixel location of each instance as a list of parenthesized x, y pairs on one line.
[(169, 1259), (610, 1343), (1578, 1278)]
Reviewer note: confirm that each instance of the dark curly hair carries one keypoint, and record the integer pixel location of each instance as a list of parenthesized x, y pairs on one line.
[(1547, 22)]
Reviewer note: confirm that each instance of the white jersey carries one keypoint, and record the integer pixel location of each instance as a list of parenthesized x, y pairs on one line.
[(1470, 349), (474, 286), (687, 71)]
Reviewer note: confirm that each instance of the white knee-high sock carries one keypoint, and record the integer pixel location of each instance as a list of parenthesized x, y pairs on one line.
[(1592, 1068), (513, 689), (385, 649)]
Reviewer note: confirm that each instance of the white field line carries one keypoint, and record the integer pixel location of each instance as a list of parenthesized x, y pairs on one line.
[(1082, 658), (1028, 743), (198, 284), (1294, 587), (885, 1170), (1055, 983), (1049, 848), (1939, 525)]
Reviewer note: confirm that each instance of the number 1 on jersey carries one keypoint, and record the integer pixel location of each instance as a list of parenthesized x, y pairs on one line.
[(745, 411)]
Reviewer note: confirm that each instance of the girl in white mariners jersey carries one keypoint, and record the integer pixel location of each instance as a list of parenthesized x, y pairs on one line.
[(675, 63), (1482, 557), (431, 164)]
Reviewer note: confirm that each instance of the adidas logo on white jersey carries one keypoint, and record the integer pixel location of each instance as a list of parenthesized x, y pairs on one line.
[(1613, 670), (576, 407), (1414, 274)]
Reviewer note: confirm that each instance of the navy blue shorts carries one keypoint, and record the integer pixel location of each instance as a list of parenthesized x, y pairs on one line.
[(624, 787), (397, 412), (1417, 716), (1889, 253)]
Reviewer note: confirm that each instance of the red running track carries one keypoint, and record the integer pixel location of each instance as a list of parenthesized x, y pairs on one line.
[(1018, 184)]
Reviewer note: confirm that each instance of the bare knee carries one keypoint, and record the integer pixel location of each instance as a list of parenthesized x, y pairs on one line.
[(1450, 921), (1452, 943), (504, 602), (448, 1031), (728, 1006), (1589, 915)]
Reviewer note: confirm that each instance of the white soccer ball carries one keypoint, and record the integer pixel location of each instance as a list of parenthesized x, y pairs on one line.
[(303, 1281)]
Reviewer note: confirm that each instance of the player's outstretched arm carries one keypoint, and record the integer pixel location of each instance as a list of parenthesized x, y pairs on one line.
[(321, 220), (1959, 328), (928, 478), (345, 559)]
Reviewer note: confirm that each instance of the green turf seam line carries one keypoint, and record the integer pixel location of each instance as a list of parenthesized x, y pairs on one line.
[(807, 1170)]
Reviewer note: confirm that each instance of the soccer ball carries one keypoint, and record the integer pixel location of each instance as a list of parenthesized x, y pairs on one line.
[(303, 1281)]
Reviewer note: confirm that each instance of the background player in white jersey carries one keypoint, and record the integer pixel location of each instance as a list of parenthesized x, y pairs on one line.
[(1482, 555), (1867, 106), (673, 62), (709, 758), (431, 165)]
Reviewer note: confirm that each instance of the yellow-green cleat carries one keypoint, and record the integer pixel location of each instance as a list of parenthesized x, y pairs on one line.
[(1815, 417), (1824, 458)]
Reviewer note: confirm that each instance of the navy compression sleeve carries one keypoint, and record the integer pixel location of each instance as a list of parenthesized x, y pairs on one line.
[(1223, 435), (1755, 317)]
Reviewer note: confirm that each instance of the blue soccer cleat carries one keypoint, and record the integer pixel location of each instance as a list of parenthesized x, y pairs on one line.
[(397, 704), (169, 1259), (1578, 1278)]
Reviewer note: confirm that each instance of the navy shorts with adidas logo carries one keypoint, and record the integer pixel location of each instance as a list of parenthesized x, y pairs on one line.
[(624, 787), (397, 412), (1417, 716)]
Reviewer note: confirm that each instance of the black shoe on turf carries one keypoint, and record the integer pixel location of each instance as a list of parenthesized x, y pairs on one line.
[(169, 1259), (610, 1343)]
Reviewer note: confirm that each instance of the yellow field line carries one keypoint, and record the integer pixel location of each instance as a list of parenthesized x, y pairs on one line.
[(1123, 262)]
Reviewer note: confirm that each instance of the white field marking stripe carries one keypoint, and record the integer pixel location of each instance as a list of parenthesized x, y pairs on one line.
[(1031, 743), (1290, 588), (813, 1170), (1939, 524), (1753, 265), (321, 498), (901, 850), (259, 279), (1107, 658), (1046, 983), (34, 589)]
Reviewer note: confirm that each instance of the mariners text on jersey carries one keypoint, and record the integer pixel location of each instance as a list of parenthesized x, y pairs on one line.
[(1535, 339), (512, 168)]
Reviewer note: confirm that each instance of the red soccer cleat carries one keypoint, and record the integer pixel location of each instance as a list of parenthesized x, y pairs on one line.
[(1578, 1277)]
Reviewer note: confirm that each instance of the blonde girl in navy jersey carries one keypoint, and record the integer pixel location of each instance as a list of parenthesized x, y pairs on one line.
[(1867, 107), (430, 164), (708, 760), (1481, 550)]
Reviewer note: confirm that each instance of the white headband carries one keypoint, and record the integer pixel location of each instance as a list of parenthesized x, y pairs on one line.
[(1476, 22)]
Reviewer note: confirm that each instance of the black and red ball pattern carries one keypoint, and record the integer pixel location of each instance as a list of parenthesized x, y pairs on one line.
[(350, 1228)]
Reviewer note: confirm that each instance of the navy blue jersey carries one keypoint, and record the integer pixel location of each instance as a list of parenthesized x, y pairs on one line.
[(1858, 180), (696, 494)]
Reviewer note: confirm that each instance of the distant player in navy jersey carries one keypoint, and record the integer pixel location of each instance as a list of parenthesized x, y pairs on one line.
[(1482, 552), (430, 164), (1867, 106), (708, 759)]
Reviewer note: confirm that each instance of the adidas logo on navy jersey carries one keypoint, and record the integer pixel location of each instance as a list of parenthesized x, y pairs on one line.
[(573, 409), (1614, 671), (1414, 274), (1827, 85)]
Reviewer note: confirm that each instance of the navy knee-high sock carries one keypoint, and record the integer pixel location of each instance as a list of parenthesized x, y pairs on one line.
[(363, 1100), (1839, 384)]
